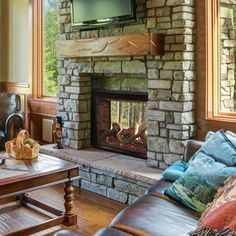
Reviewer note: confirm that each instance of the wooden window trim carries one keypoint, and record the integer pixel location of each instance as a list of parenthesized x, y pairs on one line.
[(37, 52), (214, 13), (214, 61), (37, 45), (4, 28), (207, 71), (212, 19)]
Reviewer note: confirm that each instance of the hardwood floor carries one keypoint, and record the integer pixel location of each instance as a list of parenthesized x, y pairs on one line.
[(94, 211)]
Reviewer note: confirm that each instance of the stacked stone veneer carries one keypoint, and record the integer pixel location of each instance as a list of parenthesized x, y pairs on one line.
[(115, 186), (170, 79), (227, 55)]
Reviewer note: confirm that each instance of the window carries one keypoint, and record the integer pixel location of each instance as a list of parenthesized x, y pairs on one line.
[(227, 101), (215, 66), (224, 99), (45, 31), (50, 32), (220, 58)]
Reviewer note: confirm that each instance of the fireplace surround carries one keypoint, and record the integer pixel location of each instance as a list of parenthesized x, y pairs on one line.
[(169, 79)]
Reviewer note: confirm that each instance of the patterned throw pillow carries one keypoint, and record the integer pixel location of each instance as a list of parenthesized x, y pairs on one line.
[(220, 218), (197, 187)]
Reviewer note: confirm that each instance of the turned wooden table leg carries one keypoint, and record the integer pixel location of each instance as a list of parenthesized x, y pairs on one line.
[(70, 217)]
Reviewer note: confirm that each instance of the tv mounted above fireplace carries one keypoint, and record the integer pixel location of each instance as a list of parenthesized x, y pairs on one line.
[(86, 14)]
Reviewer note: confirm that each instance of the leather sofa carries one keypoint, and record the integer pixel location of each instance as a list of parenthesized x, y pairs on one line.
[(11, 117), (154, 213)]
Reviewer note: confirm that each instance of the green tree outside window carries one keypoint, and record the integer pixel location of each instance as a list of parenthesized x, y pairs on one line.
[(51, 15)]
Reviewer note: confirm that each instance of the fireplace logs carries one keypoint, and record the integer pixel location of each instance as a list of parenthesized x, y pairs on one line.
[(128, 139)]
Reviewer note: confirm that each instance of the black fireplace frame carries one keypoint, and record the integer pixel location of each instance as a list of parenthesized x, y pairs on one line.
[(114, 95)]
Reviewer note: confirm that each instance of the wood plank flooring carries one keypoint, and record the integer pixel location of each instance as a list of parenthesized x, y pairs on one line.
[(94, 211)]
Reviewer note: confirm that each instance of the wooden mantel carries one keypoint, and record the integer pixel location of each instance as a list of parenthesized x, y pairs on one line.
[(139, 44)]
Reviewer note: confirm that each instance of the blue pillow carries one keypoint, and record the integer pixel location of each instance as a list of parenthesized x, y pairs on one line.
[(174, 171), (198, 185), (208, 135), (219, 147)]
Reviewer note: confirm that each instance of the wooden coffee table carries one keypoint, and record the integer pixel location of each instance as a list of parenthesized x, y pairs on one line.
[(17, 177)]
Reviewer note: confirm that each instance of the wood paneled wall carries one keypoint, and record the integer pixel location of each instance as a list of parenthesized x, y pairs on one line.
[(39, 109)]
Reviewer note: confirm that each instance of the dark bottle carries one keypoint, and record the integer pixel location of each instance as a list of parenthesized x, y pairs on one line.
[(58, 132)]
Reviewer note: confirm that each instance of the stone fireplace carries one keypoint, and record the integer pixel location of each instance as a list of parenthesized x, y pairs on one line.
[(168, 80)]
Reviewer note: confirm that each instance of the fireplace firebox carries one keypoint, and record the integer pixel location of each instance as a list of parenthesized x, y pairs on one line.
[(119, 122)]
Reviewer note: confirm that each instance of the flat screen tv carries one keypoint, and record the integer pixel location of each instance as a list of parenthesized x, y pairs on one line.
[(87, 14)]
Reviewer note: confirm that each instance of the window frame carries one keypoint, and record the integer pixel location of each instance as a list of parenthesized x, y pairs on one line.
[(37, 51), (208, 114), (214, 84)]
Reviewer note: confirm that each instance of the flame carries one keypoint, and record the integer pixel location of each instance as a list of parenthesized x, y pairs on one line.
[(136, 129)]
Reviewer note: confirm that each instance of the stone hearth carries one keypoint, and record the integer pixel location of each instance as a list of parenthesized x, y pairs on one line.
[(116, 176), (169, 80)]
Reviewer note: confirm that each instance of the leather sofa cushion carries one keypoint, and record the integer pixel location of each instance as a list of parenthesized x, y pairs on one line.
[(67, 233), (192, 147), (110, 232), (151, 215), (159, 187)]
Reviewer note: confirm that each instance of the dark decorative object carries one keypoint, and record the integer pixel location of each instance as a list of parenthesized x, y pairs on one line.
[(2, 159), (58, 132), (11, 117)]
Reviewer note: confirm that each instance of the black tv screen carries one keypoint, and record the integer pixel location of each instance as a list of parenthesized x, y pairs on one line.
[(96, 13)]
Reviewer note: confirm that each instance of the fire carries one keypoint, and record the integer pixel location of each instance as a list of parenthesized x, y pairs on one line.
[(136, 129), (139, 128)]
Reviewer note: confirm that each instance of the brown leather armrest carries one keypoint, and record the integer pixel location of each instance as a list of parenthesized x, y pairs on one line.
[(191, 147)]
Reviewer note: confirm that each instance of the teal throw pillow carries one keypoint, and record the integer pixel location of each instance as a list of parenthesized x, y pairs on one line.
[(198, 185), (208, 135), (175, 171)]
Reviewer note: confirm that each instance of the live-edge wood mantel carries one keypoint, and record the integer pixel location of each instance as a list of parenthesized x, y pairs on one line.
[(138, 44)]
